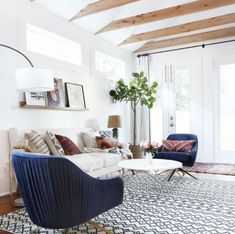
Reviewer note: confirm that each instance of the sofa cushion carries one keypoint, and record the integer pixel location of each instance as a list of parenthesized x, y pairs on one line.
[(86, 162), (53, 144), (177, 156), (68, 146), (89, 139), (109, 159), (37, 143)]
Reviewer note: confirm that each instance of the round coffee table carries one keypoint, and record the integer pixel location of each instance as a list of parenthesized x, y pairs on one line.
[(156, 165)]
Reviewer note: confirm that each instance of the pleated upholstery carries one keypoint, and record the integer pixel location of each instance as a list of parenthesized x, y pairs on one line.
[(187, 159), (58, 194)]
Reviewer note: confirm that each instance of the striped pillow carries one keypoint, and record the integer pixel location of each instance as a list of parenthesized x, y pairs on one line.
[(54, 145), (169, 145), (178, 146), (37, 143), (185, 146)]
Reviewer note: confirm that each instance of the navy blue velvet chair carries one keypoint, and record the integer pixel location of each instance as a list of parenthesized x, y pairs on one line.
[(187, 159), (59, 195)]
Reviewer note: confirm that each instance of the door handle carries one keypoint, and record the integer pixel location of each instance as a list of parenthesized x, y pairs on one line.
[(165, 73), (171, 73)]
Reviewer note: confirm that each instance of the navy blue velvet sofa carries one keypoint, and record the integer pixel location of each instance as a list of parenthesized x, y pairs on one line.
[(59, 195)]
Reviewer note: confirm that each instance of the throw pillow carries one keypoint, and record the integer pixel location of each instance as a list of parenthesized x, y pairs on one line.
[(185, 146), (178, 146), (105, 133), (37, 143), (68, 146), (89, 139), (169, 145), (107, 142), (53, 144)]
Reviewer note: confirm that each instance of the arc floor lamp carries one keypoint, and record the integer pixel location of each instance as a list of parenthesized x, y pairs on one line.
[(30, 80)]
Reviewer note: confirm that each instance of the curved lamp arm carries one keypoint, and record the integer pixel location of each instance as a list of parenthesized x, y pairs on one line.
[(11, 48), (32, 79)]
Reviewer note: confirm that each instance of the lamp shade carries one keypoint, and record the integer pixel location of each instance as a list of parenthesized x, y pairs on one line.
[(34, 80), (114, 121)]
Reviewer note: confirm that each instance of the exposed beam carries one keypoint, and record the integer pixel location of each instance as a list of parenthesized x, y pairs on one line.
[(188, 8), (183, 28), (201, 37), (99, 6)]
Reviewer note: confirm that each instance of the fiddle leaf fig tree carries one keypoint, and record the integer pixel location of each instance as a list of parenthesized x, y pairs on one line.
[(137, 91)]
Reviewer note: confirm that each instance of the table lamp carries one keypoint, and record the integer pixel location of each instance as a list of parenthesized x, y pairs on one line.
[(115, 122)]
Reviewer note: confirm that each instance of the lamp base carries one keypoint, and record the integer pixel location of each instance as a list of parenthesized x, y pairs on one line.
[(115, 133)]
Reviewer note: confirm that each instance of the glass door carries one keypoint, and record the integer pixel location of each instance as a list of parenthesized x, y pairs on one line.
[(225, 112), (178, 108)]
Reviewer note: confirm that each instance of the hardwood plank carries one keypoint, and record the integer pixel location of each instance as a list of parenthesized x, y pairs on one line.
[(184, 9), (99, 6), (183, 28), (228, 32)]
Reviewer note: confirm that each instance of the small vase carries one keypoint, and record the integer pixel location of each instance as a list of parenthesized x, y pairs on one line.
[(149, 157)]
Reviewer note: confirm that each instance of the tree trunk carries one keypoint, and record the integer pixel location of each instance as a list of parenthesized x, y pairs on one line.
[(134, 127)]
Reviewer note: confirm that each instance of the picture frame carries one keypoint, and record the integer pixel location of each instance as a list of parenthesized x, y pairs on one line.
[(75, 96), (35, 98), (56, 98)]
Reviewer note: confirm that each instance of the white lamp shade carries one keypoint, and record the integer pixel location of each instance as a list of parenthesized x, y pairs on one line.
[(34, 80)]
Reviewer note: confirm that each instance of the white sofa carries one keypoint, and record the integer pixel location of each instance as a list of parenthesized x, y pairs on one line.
[(95, 164)]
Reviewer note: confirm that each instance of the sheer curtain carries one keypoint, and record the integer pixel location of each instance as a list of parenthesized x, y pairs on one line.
[(143, 113)]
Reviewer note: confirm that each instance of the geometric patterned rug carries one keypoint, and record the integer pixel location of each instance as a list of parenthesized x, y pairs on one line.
[(213, 168), (185, 206)]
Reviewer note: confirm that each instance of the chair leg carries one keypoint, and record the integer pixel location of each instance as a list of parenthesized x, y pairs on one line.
[(97, 226), (171, 174), (186, 172), (66, 231)]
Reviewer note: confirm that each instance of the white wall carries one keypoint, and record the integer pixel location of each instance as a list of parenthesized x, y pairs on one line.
[(14, 14)]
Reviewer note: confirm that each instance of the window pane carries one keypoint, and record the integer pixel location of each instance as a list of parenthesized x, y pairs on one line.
[(112, 68), (52, 45), (182, 89), (227, 107)]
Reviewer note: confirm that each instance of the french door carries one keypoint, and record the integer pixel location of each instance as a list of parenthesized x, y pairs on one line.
[(178, 108), (224, 118)]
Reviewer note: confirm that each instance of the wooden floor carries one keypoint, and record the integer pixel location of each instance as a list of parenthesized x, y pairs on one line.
[(6, 207)]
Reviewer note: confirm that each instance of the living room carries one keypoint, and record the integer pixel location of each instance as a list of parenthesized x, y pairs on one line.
[(179, 55)]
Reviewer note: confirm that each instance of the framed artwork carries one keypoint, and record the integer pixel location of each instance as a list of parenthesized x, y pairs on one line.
[(75, 96), (56, 97), (35, 98)]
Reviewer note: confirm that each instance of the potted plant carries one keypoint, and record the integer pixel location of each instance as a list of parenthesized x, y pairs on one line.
[(138, 92)]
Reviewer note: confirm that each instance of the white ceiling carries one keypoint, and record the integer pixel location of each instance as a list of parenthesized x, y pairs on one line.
[(68, 8)]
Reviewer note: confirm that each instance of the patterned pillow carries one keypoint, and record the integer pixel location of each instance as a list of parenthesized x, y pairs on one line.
[(185, 146), (105, 133), (37, 143), (89, 139), (178, 146), (53, 144), (68, 146), (107, 142)]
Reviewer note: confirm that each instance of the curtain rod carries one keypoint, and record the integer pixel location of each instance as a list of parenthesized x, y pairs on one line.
[(185, 48)]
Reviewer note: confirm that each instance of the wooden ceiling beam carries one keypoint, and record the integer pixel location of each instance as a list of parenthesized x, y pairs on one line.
[(183, 28), (201, 37), (99, 6), (184, 9)]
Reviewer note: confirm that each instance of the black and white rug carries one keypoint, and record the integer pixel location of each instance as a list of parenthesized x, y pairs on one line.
[(185, 206)]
